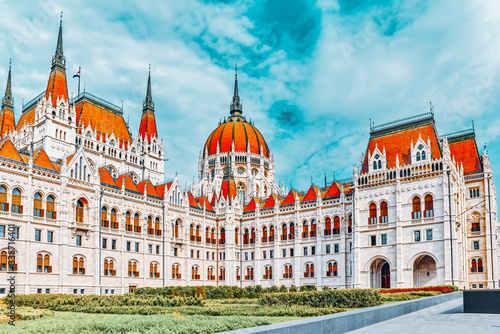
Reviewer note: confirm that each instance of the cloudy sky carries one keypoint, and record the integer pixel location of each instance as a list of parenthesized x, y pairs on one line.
[(312, 73)]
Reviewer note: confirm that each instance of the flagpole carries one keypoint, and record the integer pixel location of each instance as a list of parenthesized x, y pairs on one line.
[(79, 76)]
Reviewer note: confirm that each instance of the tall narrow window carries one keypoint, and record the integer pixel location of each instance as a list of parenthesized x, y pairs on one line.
[(271, 233), (313, 229), (3, 261), (104, 217), (16, 201), (157, 227), (236, 236), (328, 226), (252, 239), (222, 240), (291, 235), (4, 206), (114, 221), (373, 214), (283, 232), (37, 205), (417, 211), (429, 207), (39, 263), (51, 211), (474, 266), (479, 265), (128, 222), (264, 234), (336, 225), (384, 217), (305, 230), (349, 228), (47, 268), (137, 226), (79, 211)]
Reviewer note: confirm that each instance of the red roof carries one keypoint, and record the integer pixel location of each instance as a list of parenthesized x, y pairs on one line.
[(465, 152), (333, 191), (7, 150), (251, 206), (57, 86), (103, 121), (228, 188), (150, 188), (311, 195), (204, 201), (270, 203), (398, 143), (41, 159), (148, 126), (26, 118), (7, 122), (192, 201), (129, 183), (106, 177), (160, 189), (243, 134)]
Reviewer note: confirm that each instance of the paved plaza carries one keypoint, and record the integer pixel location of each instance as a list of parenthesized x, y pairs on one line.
[(443, 318)]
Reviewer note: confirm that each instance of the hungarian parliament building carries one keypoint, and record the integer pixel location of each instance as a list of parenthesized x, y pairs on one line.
[(85, 207)]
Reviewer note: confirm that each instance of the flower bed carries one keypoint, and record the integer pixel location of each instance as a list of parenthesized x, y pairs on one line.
[(442, 289)]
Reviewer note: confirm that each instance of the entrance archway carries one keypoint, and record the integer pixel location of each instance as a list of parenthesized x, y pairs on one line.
[(424, 271), (380, 274)]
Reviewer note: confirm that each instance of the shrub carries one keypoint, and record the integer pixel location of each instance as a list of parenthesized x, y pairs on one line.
[(293, 288), (348, 298), (200, 292), (283, 288), (442, 289)]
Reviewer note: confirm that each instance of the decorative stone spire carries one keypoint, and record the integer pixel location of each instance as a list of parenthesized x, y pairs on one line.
[(228, 171), (148, 105), (236, 106), (58, 60), (8, 101)]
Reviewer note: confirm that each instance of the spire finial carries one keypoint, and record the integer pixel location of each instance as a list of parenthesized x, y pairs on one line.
[(148, 105), (58, 60), (8, 101), (236, 106)]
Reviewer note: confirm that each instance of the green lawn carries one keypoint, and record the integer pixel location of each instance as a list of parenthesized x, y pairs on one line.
[(83, 323)]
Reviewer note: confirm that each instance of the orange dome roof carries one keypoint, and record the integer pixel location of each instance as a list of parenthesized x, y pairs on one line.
[(236, 129)]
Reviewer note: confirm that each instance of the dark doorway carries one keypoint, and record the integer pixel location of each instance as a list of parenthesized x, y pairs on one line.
[(386, 276)]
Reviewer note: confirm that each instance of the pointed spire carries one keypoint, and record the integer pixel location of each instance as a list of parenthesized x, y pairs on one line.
[(148, 105), (236, 106), (8, 101), (58, 59)]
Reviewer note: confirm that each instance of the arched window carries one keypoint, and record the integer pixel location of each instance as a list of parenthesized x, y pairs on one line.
[(4, 205), (157, 229), (194, 272), (236, 236), (313, 229), (328, 226), (374, 165), (212, 236), (271, 233), (249, 274), (349, 228), (476, 227), (112, 271), (176, 229), (114, 222), (222, 240), (132, 269), (246, 237), (283, 232), (418, 156), (336, 225), (417, 210), (198, 237), (222, 274), (473, 268), (479, 265), (151, 230), (309, 270), (291, 235), (423, 155), (373, 214), (137, 227), (268, 272), (78, 265), (379, 164), (3, 261), (264, 234), (106, 268), (332, 269), (252, 237), (153, 270), (288, 272), (37, 205), (191, 233), (305, 230), (384, 217), (51, 211), (429, 207), (39, 263), (207, 236), (16, 201), (79, 211), (238, 277), (128, 221), (210, 274), (104, 217), (47, 268), (241, 193)]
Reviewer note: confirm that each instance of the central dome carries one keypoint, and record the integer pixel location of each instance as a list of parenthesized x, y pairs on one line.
[(236, 129)]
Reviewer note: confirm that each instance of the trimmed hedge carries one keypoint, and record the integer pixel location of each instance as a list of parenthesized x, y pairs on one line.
[(345, 298), (124, 304), (440, 288), (211, 292)]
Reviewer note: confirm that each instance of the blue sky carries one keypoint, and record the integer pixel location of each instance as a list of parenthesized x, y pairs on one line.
[(312, 73)]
